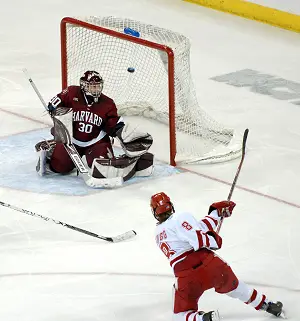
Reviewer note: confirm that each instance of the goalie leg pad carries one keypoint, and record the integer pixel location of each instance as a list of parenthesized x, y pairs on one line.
[(123, 167), (144, 165), (44, 150), (103, 182)]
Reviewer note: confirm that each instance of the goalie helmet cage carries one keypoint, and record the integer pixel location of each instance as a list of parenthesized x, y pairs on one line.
[(146, 71)]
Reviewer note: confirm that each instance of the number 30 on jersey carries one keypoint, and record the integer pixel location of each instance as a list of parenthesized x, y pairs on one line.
[(85, 128)]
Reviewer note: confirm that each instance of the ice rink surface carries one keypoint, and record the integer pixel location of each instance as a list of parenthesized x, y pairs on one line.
[(50, 273)]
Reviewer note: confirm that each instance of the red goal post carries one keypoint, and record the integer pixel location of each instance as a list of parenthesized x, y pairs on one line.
[(150, 44), (96, 43)]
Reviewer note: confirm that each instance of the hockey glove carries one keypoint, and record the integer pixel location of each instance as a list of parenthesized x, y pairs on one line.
[(223, 208), (51, 109), (133, 142), (217, 238)]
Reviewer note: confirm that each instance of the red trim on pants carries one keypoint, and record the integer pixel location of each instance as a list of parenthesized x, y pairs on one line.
[(212, 272)]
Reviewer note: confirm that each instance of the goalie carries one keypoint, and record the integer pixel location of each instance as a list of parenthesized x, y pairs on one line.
[(94, 120)]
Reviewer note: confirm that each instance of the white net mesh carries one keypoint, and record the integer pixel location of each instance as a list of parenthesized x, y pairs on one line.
[(144, 92)]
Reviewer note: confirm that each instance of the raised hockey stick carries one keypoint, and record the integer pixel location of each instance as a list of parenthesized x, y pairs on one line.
[(237, 174), (115, 239)]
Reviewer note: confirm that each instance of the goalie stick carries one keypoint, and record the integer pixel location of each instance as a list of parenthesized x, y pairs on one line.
[(122, 237), (237, 173), (71, 150)]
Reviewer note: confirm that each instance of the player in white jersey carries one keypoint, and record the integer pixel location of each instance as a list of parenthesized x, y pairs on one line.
[(189, 245)]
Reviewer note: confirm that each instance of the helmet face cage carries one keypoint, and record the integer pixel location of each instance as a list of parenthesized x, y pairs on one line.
[(91, 83)]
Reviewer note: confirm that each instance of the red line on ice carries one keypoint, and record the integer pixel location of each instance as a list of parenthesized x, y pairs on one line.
[(184, 169), (243, 188)]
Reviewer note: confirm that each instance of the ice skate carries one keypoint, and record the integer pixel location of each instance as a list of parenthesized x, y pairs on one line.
[(274, 308), (210, 316)]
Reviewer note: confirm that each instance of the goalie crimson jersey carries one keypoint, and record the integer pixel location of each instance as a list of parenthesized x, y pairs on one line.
[(181, 235), (90, 123)]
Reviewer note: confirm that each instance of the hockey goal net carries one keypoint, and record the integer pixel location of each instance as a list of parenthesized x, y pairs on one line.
[(146, 71)]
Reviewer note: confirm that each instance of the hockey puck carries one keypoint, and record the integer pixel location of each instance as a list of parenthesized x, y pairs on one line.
[(130, 69)]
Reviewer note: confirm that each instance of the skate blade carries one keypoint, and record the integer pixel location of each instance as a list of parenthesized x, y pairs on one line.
[(283, 315)]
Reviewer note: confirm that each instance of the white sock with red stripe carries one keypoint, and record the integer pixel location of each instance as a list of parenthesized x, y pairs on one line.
[(186, 316), (248, 295), (194, 316)]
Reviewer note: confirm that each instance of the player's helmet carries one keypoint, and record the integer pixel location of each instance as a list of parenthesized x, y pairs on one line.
[(91, 83), (160, 204)]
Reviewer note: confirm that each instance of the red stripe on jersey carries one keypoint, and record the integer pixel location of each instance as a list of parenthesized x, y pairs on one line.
[(200, 240), (253, 297), (207, 240), (206, 222), (181, 256), (215, 220), (261, 303), (195, 317)]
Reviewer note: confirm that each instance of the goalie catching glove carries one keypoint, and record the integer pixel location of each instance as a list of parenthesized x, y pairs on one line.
[(133, 142)]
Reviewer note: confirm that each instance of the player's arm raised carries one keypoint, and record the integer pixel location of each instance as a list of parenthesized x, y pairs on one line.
[(190, 230), (60, 100), (216, 211)]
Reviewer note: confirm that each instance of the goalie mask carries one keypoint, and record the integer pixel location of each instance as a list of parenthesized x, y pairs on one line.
[(91, 83), (161, 206)]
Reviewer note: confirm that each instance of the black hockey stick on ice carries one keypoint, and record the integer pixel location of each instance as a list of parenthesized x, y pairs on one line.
[(237, 174), (122, 237)]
